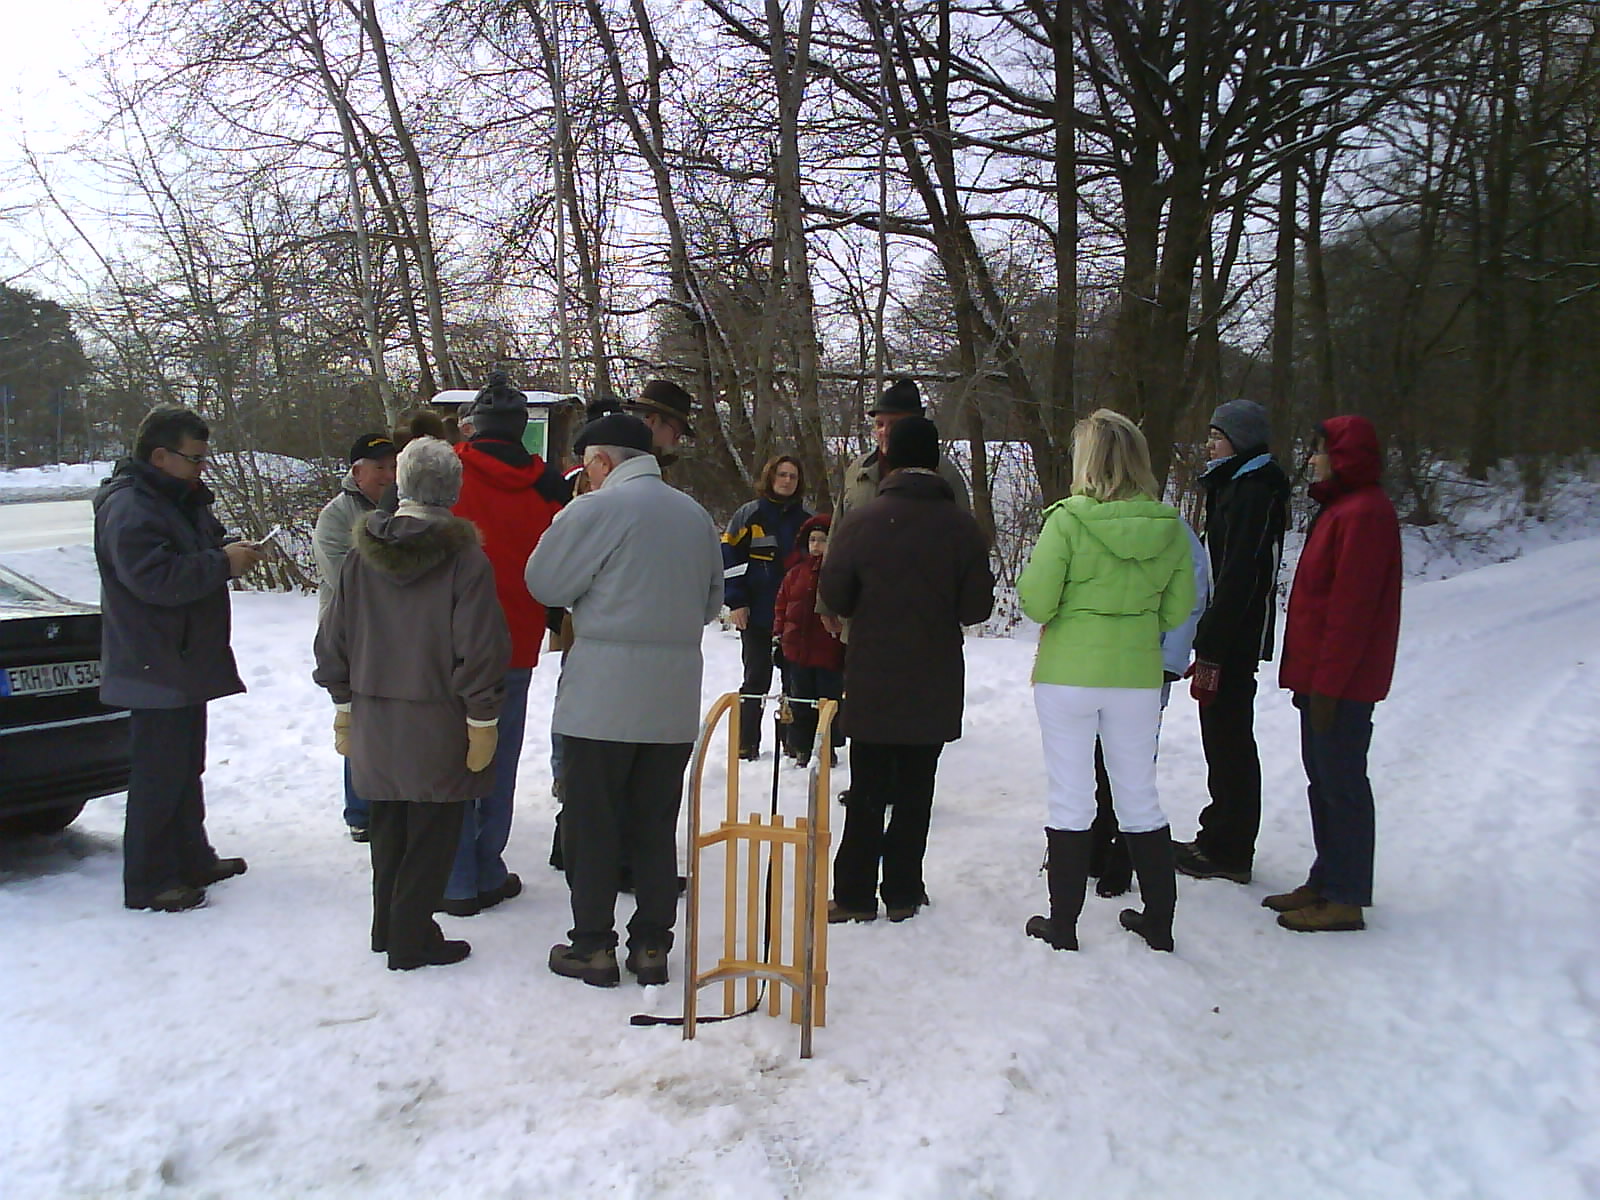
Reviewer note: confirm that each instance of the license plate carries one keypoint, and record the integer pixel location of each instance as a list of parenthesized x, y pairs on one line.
[(50, 678)]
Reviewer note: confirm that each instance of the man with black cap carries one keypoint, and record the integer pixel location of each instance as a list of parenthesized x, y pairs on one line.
[(511, 496), (371, 473), (639, 564), (664, 407), (1246, 510)]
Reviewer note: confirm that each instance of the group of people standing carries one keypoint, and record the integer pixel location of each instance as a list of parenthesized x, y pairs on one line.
[(442, 566)]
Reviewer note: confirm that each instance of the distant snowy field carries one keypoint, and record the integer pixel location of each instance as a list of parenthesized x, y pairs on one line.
[(255, 1047)]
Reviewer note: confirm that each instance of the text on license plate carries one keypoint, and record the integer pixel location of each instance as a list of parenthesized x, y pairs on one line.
[(46, 678)]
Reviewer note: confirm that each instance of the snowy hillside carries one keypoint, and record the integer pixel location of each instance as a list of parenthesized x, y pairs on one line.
[(255, 1048)]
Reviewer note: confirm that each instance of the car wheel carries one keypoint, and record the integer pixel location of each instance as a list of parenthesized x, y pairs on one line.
[(44, 820)]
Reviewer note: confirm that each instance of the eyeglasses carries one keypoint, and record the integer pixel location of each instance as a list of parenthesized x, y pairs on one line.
[(198, 460)]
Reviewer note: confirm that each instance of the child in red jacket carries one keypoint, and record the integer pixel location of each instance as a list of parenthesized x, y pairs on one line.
[(813, 657)]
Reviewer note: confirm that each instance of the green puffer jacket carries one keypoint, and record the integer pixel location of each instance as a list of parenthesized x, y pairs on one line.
[(1106, 580)]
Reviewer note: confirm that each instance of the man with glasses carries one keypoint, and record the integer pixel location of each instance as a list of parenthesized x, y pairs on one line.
[(165, 652)]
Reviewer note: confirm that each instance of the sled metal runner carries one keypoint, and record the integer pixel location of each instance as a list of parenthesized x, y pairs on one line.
[(795, 861)]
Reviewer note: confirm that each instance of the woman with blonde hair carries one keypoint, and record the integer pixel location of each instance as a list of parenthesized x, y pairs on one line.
[(1112, 570)]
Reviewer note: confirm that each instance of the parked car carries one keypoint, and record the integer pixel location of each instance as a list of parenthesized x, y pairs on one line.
[(59, 746)]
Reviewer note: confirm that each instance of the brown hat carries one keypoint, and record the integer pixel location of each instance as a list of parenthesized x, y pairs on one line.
[(667, 398)]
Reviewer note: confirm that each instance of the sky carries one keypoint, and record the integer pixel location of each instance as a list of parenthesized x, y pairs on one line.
[(46, 86)]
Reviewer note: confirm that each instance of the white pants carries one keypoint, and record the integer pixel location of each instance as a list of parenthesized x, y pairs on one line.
[(1127, 722)]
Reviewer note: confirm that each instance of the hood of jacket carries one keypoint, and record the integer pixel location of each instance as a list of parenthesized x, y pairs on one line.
[(500, 464), (1131, 530), (1353, 453), (408, 547)]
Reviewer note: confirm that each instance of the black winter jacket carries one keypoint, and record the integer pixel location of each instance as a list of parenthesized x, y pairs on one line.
[(166, 620), (1247, 508)]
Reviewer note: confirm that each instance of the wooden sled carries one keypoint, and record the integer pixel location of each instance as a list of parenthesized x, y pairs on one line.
[(774, 874)]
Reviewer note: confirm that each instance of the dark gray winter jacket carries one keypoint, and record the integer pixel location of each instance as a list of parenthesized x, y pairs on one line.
[(166, 620), (414, 640)]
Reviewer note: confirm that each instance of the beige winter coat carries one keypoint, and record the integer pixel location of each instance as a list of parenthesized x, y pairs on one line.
[(415, 641)]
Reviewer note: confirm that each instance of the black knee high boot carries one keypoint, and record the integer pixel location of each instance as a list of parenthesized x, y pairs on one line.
[(1067, 869), (1155, 864)]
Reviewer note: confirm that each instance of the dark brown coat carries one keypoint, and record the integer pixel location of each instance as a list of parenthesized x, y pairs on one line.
[(416, 642), (909, 569)]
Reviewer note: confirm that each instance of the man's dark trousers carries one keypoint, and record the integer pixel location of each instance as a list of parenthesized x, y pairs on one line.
[(884, 776), (413, 844), (1343, 819), (1229, 824), (619, 803), (164, 833)]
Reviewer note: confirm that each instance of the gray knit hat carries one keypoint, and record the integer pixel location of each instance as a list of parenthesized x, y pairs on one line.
[(1245, 424), (428, 472), (499, 410)]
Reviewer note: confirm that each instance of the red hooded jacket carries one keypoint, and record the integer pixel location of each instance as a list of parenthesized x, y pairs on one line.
[(512, 505), (1343, 623), (795, 623)]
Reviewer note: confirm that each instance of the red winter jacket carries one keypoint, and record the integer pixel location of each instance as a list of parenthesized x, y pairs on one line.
[(1343, 624), (512, 502), (795, 623)]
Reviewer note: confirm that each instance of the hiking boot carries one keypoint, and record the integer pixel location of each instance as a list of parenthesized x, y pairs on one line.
[(903, 912), (441, 954), (838, 914), (648, 965), (174, 899), (1303, 896), (510, 889), (1325, 916), (1195, 863), (597, 968), (358, 833), (223, 868), (750, 753)]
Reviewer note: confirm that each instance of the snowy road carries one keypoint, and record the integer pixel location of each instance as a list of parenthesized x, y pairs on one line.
[(255, 1048), (44, 524)]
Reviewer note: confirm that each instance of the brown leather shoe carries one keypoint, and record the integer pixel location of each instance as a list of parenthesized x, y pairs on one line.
[(1303, 896), (1324, 917), (838, 914)]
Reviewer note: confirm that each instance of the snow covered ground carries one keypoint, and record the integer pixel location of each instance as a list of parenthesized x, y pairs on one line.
[(255, 1047)]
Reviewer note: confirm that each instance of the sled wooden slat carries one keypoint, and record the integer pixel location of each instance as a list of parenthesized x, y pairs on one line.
[(774, 882)]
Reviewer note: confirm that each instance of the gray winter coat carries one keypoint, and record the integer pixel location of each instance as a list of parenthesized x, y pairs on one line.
[(334, 534), (640, 566), (414, 640), (165, 616)]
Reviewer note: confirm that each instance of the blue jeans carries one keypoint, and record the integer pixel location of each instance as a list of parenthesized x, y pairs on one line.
[(357, 811), (486, 827), (1343, 819)]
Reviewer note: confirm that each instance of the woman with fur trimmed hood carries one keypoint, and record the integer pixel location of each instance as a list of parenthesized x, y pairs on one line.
[(413, 651)]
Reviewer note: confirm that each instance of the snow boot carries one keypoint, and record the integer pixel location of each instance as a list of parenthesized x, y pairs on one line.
[(1152, 855), (1067, 870)]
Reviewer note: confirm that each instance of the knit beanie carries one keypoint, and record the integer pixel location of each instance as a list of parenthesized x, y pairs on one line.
[(499, 410), (1244, 422), (913, 442)]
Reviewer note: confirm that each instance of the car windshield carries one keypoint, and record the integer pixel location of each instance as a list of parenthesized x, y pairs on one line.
[(17, 592)]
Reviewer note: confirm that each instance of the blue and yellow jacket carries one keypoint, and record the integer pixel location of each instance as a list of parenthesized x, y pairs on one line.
[(755, 553)]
